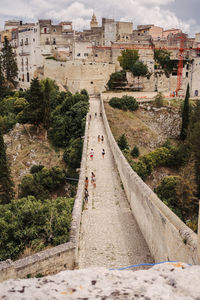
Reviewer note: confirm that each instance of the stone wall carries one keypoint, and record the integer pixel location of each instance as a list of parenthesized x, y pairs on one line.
[(168, 238), (58, 258), (77, 75)]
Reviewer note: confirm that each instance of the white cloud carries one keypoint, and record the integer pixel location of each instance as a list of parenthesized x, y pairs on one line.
[(80, 12)]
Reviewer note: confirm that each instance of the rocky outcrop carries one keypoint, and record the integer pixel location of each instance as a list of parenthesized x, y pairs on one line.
[(164, 282)]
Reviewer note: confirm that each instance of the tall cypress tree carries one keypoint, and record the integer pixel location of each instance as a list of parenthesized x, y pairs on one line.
[(9, 62), (2, 80), (47, 109), (185, 115), (6, 184)]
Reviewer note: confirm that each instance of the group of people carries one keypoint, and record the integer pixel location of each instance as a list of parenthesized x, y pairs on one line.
[(100, 139), (90, 116), (93, 182)]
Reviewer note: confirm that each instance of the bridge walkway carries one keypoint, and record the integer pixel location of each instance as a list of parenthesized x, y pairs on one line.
[(110, 236)]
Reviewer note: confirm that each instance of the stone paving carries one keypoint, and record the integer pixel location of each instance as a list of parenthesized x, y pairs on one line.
[(110, 236)]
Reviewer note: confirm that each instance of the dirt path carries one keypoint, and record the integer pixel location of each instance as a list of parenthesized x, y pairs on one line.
[(110, 236)]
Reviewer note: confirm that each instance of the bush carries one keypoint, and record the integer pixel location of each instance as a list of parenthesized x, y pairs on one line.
[(122, 142), (124, 103), (73, 153), (28, 222), (36, 168), (159, 100), (135, 151), (41, 182), (117, 79), (166, 191), (141, 169)]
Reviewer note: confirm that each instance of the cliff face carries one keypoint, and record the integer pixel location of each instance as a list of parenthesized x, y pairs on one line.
[(166, 281)]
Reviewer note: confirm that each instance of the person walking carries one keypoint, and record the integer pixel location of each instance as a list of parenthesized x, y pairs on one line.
[(102, 139), (91, 154), (86, 195), (103, 153), (86, 182), (93, 180), (99, 138)]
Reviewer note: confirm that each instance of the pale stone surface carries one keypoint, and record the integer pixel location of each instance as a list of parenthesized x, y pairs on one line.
[(162, 282), (110, 236)]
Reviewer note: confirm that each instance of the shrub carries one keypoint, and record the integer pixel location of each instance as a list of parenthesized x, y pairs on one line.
[(166, 191), (122, 142), (117, 79), (159, 100), (73, 153), (36, 168), (141, 169), (135, 151), (28, 222), (124, 103), (41, 182)]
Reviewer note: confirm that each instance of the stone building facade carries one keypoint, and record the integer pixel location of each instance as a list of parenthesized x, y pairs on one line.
[(37, 44)]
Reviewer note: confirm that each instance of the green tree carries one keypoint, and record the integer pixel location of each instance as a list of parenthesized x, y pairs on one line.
[(185, 115), (6, 184), (9, 62), (47, 109), (122, 142), (128, 58), (117, 79), (139, 69), (33, 113), (73, 153), (135, 151)]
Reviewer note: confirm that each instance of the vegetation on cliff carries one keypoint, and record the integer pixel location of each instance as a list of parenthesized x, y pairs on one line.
[(38, 218)]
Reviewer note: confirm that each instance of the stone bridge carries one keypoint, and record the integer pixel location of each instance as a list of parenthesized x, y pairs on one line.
[(123, 223)]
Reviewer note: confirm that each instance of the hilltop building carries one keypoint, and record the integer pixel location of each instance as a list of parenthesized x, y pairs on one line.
[(44, 49)]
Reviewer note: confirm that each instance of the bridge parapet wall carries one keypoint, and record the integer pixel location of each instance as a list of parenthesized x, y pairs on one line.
[(58, 258), (168, 238)]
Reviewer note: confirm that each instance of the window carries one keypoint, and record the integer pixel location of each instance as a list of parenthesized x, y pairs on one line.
[(47, 41), (78, 54), (85, 54), (54, 30), (186, 74), (45, 30), (54, 41), (28, 77), (26, 42), (33, 40), (21, 44), (22, 77)]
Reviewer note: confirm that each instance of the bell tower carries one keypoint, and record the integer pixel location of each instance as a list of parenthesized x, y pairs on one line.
[(93, 22)]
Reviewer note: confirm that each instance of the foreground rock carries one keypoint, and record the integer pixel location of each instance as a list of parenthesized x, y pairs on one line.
[(166, 281)]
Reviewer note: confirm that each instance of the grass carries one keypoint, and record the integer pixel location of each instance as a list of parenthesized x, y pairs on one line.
[(132, 124)]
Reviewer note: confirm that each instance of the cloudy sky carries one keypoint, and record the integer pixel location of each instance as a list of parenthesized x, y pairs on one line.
[(166, 13)]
